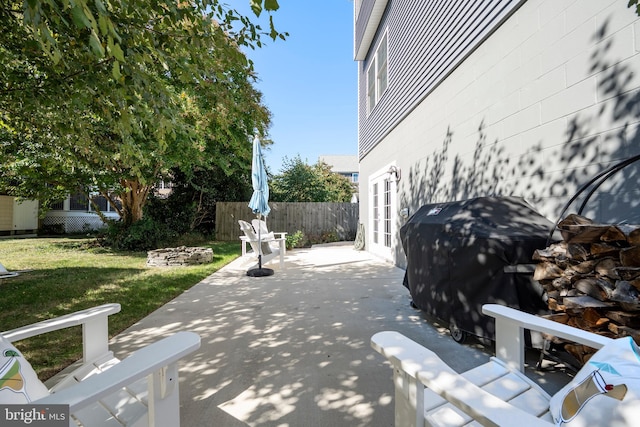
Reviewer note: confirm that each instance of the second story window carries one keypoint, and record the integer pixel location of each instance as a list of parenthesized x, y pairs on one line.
[(377, 81)]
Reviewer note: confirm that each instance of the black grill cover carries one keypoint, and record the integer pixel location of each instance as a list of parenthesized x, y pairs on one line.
[(457, 253)]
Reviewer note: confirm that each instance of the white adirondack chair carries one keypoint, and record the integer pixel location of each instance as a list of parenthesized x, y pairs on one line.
[(429, 392), (4, 274), (271, 246), (140, 390), (260, 224)]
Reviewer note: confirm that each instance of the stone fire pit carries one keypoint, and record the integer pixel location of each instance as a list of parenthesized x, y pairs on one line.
[(180, 256)]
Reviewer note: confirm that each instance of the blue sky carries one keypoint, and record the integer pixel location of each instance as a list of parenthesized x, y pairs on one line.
[(309, 81)]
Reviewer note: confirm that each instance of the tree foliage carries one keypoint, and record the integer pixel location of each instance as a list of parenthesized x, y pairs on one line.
[(110, 96), (194, 195), (301, 182)]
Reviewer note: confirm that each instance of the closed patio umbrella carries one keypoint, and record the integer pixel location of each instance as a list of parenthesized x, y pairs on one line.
[(259, 203)]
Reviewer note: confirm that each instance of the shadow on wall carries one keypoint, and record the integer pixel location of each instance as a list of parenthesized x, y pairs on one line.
[(549, 177)]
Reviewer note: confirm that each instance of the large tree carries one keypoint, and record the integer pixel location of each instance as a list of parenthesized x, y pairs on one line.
[(111, 96), (301, 182)]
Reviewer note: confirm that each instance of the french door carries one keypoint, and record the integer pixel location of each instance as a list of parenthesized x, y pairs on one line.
[(382, 218)]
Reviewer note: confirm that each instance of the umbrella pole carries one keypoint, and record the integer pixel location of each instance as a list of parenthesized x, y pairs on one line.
[(260, 272), (259, 244)]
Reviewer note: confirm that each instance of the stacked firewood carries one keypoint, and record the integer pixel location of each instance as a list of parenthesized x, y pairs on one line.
[(592, 279)]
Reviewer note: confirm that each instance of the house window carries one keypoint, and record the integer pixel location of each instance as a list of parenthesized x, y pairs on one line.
[(354, 177), (371, 90), (387, 213), (377, 80), (382, 213), (375, 212), (78, 202), (165, 185), (57, 206), (101, 202)]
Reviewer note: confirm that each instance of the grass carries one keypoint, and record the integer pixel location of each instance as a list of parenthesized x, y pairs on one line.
[(70, 274)]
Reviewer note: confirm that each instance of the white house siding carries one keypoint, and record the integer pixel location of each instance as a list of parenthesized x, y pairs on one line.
[(18, 217), (545, 102)]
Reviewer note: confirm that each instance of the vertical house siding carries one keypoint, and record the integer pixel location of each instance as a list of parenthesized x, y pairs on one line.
[(427, 40), (6, 213)]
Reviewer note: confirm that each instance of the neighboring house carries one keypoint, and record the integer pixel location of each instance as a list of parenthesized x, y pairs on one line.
[(464, 99), (18, 217), (75, 214), (346, 166)]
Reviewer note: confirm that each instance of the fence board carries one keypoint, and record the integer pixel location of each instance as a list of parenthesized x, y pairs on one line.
[(313, 219)]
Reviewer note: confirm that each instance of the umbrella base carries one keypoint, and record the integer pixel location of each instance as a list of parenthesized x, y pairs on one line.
[(260, 272)]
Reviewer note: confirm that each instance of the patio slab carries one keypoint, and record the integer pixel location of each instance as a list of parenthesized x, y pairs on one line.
[(293, 349)]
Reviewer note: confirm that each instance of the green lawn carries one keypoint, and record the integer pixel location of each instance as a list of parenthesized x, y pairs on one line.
[(70, 274)]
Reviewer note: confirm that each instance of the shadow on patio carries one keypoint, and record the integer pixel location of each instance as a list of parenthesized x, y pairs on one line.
[(293, 349)]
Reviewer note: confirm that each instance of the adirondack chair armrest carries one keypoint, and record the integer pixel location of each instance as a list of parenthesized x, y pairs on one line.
[(482, 406), (157, 361), (510, 326), (416, 367), (95, 329), (403, 353), (266, 237)]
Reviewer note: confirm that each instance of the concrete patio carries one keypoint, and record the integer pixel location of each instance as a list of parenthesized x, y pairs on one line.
[(293, 349)]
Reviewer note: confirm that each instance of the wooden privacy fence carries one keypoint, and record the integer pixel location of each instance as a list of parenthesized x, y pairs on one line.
[(313, 219)]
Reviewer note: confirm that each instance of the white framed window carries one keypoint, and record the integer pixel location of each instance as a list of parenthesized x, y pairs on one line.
[(377, 75), (386, 231)]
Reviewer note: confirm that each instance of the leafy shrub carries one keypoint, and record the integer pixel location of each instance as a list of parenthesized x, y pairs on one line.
[(51, 229), (295, 240), (329, 237), (142, 235), (192, 238), (324, 237), (175, 216)]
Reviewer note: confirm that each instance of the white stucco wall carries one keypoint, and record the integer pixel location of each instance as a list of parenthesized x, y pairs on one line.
[(546, 102)]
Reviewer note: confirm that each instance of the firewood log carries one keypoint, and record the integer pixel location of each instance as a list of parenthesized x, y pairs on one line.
[(624, 318), (625, 293), (582, 353), (551, 252), (561, 282), (607, 267), (557, 317), (630, 257), (577, 252), (546, 270), (604, 249), (613, 234), (593, 320), (585, 266), (628, 273), (633, 238), (595, 287), (582, 302), (625, 331), (554, 305)]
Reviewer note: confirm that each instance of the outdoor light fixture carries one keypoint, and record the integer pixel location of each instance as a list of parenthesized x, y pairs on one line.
[(394, 171)]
